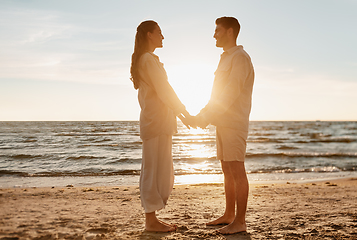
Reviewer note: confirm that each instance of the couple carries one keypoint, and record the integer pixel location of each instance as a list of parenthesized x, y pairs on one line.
[(228, 109)]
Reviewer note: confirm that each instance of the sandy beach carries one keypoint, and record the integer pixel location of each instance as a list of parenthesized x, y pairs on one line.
[(318, 210)]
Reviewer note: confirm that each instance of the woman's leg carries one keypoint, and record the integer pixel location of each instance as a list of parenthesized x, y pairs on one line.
[(165, 168), (156, 180)]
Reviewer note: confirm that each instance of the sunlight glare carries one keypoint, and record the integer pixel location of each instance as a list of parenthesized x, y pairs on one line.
[(192, 83), (199, 179), (197, 131), (198, 151)]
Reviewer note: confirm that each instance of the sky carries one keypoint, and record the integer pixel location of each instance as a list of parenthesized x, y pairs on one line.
[(70, 60)]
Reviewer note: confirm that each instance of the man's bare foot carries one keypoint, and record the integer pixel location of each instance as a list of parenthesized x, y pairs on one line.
[(233, 228), (221, 220), (159, 227)]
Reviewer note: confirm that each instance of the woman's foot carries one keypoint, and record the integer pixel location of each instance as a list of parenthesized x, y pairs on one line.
[(152, 224), (159, 227), (168, 224)]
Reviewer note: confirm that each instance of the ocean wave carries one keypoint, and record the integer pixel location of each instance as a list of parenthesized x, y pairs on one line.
[(302, 154), (180, 158), (13, 173), (335, 140), (24, 156), (196, 135), (297, 170), (315, 135), (130, 145), (98, 145), (176, 158), (193, 159), (197, 171), (114, 148), (123, 160), (284, 147), (73, 134), (100, 140), (178, 172), (83, 157), (266, 140), (30, 140), (195, 141), (84, 173), (258, 133), (97, 173), (292, 140)]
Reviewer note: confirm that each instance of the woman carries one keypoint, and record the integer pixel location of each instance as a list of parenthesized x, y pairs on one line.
[(159, 107)]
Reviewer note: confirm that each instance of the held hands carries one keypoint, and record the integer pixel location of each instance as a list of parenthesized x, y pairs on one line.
[(200, 121), (193, 121), (188, 121)]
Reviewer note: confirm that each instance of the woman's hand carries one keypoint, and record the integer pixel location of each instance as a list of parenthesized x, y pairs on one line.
[(188, 121)]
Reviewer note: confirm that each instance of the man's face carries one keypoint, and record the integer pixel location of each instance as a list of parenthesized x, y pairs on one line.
[(157, 37), (220, 34)]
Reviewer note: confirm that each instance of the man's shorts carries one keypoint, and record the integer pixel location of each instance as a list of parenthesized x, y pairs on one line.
[(231, 144)]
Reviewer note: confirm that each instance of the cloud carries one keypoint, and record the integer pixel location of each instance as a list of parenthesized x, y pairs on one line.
[(31, 26), (50, 45)]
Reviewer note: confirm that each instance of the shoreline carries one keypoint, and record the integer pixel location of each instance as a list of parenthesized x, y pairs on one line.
[(103, 181), (314, 210), (254, 183)]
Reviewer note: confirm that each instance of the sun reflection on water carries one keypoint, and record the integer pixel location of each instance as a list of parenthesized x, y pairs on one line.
[(195, 158), (199, 178), (197, 131), (195, 144)]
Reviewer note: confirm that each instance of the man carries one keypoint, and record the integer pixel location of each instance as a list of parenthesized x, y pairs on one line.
[(228, 109)]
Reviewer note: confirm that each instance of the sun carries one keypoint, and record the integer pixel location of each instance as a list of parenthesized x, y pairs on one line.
[(192, 83)]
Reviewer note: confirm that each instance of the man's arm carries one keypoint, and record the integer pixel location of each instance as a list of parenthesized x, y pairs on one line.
[(236, 80)]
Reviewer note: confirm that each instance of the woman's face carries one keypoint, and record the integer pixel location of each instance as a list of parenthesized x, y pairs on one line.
[(156, 37)]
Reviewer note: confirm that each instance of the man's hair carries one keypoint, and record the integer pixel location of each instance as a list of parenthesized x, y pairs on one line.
[(229, 22)]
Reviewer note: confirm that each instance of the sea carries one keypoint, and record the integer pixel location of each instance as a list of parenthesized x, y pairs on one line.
[(108, 153)]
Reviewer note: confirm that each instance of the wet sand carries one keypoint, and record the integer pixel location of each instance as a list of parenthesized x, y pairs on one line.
[(319, 210)]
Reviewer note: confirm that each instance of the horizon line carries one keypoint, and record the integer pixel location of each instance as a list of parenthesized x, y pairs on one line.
[(318, 120)]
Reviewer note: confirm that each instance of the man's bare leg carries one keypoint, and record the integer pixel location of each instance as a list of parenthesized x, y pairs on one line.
[(242, 191), (229, 190), (152, 224)]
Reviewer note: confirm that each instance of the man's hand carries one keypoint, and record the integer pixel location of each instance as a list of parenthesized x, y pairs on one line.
[(201, 121), (192, 121)]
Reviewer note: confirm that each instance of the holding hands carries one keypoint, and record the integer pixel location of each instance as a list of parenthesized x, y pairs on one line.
[(193, 121), (201, 121), (188, 120)]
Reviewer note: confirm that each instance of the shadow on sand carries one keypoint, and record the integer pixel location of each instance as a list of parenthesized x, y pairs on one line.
[(185, 233)]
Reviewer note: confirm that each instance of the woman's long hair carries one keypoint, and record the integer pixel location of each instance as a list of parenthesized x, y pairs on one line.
[(140, 47)]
